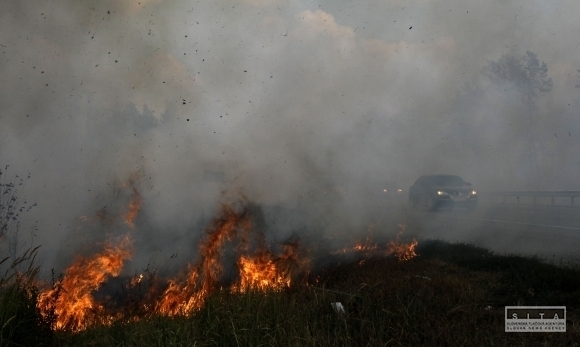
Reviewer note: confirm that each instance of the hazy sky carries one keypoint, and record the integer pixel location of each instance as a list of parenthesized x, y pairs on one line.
[(280, 95)]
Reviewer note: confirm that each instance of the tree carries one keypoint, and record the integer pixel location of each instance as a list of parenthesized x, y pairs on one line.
[(525, 73), (530, 79)]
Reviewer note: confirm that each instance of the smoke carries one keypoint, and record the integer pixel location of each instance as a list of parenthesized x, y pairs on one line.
[(286, 98)]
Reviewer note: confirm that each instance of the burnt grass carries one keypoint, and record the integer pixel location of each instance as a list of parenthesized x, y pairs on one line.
[(449, 295)]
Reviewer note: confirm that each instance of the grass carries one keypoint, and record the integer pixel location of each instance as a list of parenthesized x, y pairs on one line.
[(452, 294), (20, 322)]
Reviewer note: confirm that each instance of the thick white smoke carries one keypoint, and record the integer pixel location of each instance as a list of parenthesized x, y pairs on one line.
[(283, 97)]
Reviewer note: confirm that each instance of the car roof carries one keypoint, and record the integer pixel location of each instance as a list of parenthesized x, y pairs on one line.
[(434, 178), (439, 176)]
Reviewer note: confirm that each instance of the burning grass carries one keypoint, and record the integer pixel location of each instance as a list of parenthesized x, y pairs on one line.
[(71, 298), (395, 248), (450, 295)]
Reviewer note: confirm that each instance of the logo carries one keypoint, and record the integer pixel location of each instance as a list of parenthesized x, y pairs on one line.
[(535, 318)]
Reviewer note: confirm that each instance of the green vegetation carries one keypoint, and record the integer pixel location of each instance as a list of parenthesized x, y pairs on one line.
[(451, 294)]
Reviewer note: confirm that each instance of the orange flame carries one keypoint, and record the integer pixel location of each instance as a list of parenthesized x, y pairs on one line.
[(402, 251), (260, 271), (108, 218), (134, 207), (203, 277), (71, 297), (74, 307), (264, 271)]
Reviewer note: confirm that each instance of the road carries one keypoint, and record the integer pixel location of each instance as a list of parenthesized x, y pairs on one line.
[(552, 233)]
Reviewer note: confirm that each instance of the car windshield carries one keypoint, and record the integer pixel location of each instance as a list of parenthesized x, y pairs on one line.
[(445, 181)]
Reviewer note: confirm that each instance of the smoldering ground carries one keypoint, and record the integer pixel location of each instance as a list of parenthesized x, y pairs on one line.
[(285, 98)]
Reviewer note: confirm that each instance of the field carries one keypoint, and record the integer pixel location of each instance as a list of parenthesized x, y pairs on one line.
[(450, 294)]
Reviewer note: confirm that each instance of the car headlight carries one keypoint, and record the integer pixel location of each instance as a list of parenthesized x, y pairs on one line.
[(473, 192), (442, 193)]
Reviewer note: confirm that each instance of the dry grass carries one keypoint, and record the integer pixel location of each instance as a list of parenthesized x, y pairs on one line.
[(449, 295)]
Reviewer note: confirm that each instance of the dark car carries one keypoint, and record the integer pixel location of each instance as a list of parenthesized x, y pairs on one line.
[(431, 192), (391, 189), (389, 193)]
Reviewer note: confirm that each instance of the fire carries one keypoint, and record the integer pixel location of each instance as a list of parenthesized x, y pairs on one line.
[(261, 270), (128, 214), (181, 299), (135, 203), (402, 251), (71, 298), (134, 207), (264, 271), (203, 277), (260, 273)]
